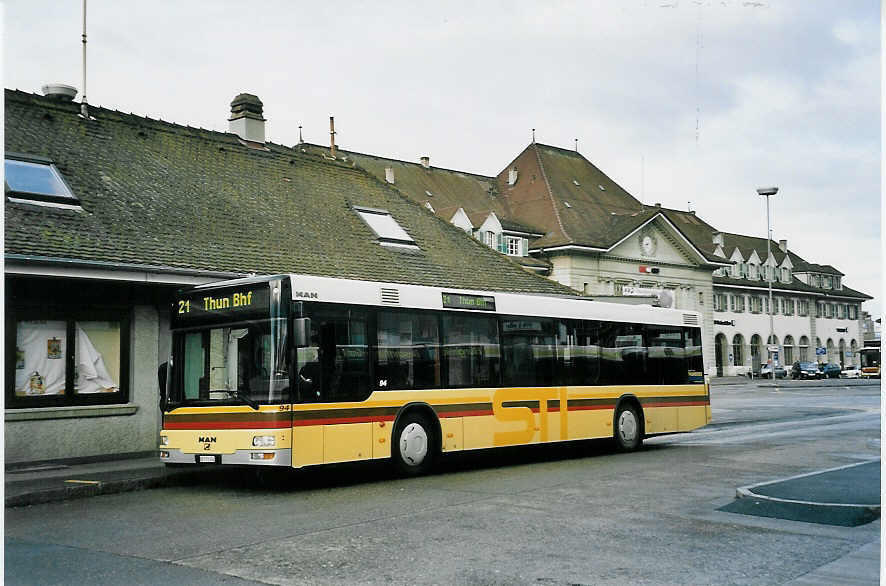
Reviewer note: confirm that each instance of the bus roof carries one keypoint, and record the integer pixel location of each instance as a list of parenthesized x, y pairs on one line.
[(347, 291)]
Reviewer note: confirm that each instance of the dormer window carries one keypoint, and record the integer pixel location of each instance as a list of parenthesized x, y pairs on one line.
[(752, 271), (514, 246), (489, 238), (386, 228), (33, 179), (785, 275)]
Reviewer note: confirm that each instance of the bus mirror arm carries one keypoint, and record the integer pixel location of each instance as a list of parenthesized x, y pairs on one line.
[(302, 333)]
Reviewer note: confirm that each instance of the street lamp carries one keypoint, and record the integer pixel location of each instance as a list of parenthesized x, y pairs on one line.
[(766, 192)]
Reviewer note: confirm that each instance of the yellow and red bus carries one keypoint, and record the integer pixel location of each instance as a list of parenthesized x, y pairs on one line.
[(299, 370), (869, 361)]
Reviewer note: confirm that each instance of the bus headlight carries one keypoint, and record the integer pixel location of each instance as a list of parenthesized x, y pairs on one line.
[(164, 440), (264, 441)]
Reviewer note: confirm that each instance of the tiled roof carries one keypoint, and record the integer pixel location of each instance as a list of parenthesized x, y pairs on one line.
[(160, 194), (446, 189), (795, 285)]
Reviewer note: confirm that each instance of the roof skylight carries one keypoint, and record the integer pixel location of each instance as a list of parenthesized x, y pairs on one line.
[(36, 179), (385, 227)]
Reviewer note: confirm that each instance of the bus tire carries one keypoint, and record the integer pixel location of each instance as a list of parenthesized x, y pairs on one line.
[(414, 445), (627, 427)]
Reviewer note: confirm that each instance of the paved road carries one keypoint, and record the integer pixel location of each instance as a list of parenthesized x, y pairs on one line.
[(578, 514)]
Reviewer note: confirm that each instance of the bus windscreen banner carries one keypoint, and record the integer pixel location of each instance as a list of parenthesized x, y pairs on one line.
[(212, 305), (473, 302)]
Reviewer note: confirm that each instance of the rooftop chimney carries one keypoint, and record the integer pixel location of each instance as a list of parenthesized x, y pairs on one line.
[(426, 162), (658, 205), (246, 119), (389, 174), (783, 245), (332, 136)]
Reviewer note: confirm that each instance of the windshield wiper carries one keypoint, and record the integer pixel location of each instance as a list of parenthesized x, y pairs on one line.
[(244, 398)]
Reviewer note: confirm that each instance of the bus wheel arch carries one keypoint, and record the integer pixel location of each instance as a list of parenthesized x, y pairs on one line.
[(415, 439), (628, 424)]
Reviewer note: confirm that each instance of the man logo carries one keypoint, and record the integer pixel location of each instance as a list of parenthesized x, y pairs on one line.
[(306, 295), (206, 440)]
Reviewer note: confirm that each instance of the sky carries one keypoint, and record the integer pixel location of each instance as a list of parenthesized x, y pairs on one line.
[(689, 103)]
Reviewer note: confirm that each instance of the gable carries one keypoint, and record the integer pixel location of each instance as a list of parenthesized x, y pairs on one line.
[(654, 243), (491, 224)]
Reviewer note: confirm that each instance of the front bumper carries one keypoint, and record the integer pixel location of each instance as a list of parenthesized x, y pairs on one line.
[(282, 457)]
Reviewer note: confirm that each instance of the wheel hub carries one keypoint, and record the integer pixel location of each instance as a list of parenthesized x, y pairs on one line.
[(413, 444), (627, 426)]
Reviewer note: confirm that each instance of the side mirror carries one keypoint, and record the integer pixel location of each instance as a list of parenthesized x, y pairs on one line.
[(162, 377), (302, 332)]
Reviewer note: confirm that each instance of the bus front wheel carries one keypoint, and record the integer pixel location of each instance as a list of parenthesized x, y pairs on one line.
[(415, 448), (628, 431)]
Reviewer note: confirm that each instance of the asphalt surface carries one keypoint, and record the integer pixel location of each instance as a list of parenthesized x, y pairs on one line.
[(571, 514)]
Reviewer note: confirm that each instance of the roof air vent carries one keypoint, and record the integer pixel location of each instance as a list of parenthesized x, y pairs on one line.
[(567, 204), (390, 296), (601, 188), (59, 91), (576, 182)]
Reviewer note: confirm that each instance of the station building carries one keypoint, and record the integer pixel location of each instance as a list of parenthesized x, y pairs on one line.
[(559, 215)]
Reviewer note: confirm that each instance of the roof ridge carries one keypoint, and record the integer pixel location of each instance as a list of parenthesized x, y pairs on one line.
[(550, 192), (393, 160)]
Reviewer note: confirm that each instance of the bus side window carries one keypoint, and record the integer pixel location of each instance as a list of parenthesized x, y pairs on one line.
[(335, 367)]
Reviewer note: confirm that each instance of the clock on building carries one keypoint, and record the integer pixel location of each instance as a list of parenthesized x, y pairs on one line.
[(648, 243)]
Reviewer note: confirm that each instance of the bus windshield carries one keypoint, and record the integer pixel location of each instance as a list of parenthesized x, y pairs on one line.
[(870, 358), (243, 362)]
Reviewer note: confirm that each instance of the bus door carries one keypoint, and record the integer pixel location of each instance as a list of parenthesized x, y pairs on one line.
[(332, 368)]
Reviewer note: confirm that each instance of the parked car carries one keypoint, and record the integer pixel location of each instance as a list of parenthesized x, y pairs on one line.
[(805, 370), (830, 370), (851, 371), (766, 371)]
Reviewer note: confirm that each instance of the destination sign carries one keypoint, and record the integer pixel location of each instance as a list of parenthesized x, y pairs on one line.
[(199, 306), (472, 302)]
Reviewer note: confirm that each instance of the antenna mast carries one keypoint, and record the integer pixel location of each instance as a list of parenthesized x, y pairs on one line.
[(83, 111)]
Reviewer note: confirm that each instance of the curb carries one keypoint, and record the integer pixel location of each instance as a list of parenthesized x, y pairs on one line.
[(70, 490), (862, 511)]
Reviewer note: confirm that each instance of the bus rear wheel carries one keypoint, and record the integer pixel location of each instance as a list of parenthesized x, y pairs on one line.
[(415, 448), (627, 428)]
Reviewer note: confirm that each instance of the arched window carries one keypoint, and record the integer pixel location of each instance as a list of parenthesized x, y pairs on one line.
[(756, 343), (831, 351), (842, 347), (788, 349), (804, 349), (738, 350), (853, 346)]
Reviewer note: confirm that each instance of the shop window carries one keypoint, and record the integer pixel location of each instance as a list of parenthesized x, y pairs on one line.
[(60, 360)]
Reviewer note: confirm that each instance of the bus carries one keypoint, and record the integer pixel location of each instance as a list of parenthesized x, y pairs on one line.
[(869, 361), (298, 370)]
